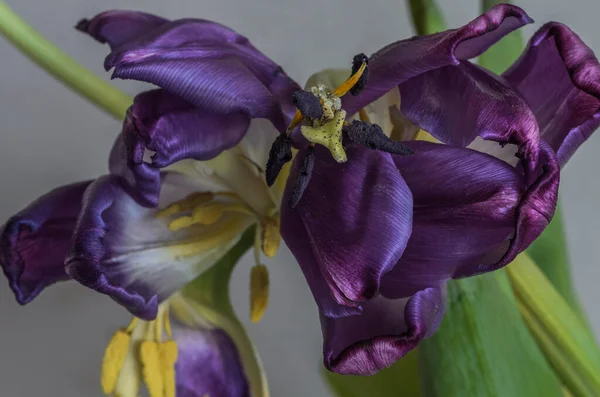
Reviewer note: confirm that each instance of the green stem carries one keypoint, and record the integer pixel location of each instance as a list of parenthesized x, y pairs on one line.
[(61, 66), (426, 16)]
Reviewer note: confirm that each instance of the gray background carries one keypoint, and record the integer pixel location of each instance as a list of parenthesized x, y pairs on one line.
[(53, 346)]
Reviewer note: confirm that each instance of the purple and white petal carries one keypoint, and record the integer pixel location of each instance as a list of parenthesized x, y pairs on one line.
[(123, 250), (385, 331), (559, 77), (350, 227), (34, 242)]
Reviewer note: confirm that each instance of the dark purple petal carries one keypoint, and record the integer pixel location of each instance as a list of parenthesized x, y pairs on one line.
[(208, 364), (350, 227), (207, 64), (123, 250), (383, 333), (559, 77), (34, 243), (465, 206), (117, 27), (173, 129), (400, 61)]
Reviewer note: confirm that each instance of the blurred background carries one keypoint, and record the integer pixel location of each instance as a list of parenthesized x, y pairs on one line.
[(49, 136)]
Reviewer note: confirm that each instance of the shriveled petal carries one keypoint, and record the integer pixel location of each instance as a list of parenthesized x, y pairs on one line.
[(384, 332), (172, 129), (350, 227), (34, 243), (117, 27), (123, 250), (559, 77), (400, 61), (208, 364), (207, 64), (466, 207)]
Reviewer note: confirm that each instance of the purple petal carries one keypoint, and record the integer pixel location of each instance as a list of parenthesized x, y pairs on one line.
[(559, 77), (465, 207), (118, 27), (400, 61), (350, 227), (122, 249), (385, 332), (173, 129), (208, 364), (34, 243), (209, 65)]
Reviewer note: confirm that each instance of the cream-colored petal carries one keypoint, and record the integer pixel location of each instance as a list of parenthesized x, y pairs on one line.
[(506, 153)]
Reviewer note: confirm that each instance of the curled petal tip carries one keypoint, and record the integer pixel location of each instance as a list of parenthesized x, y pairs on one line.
[(83, 25)]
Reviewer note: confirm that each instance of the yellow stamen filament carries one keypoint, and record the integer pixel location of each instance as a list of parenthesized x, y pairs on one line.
[(191, 201), (329, 135), (298, 117), (151, 368), (207, 214), (362, 113), (114, 357), (259, 292), (218, 235), (168, 358), (351, 82), (168, 324), (271, 237)]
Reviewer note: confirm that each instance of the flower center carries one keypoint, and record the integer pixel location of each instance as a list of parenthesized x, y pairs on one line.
[(156, 354), (207, 208)]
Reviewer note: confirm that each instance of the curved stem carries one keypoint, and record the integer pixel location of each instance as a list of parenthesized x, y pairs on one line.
[(61, 66)]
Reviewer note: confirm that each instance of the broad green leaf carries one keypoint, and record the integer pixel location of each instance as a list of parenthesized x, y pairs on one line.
[(426, 16), (483, 347), (561, 334), (401, 379), (502, 54)]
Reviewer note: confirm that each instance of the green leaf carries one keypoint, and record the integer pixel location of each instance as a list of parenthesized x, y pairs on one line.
[(426, 16), (561, 334), (401, 379), (483, 347), (502, 54)]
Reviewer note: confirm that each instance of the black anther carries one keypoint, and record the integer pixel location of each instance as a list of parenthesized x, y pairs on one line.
[(372, 136), (303, 177), (308, 104), (357, 62), (280, 153)]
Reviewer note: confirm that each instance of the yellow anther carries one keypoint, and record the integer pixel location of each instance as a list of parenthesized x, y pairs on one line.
[(168, 358), (187, 203), (351, 82), (114, 357), (271, 237), (329, 135), (208, 214), (151, 368), (259, 292)]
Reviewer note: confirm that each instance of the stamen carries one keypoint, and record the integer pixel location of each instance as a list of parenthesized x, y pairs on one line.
[(372, 136), (168, 324), (362, 113), (308, 104), (114, 358), (259, 292), (298, 117), (353, 80), (187, 203), (271, 237), (151, 368), (303, 177), (279, 155), (207, 214), (329, 135), (359, 61), (168, 358)]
